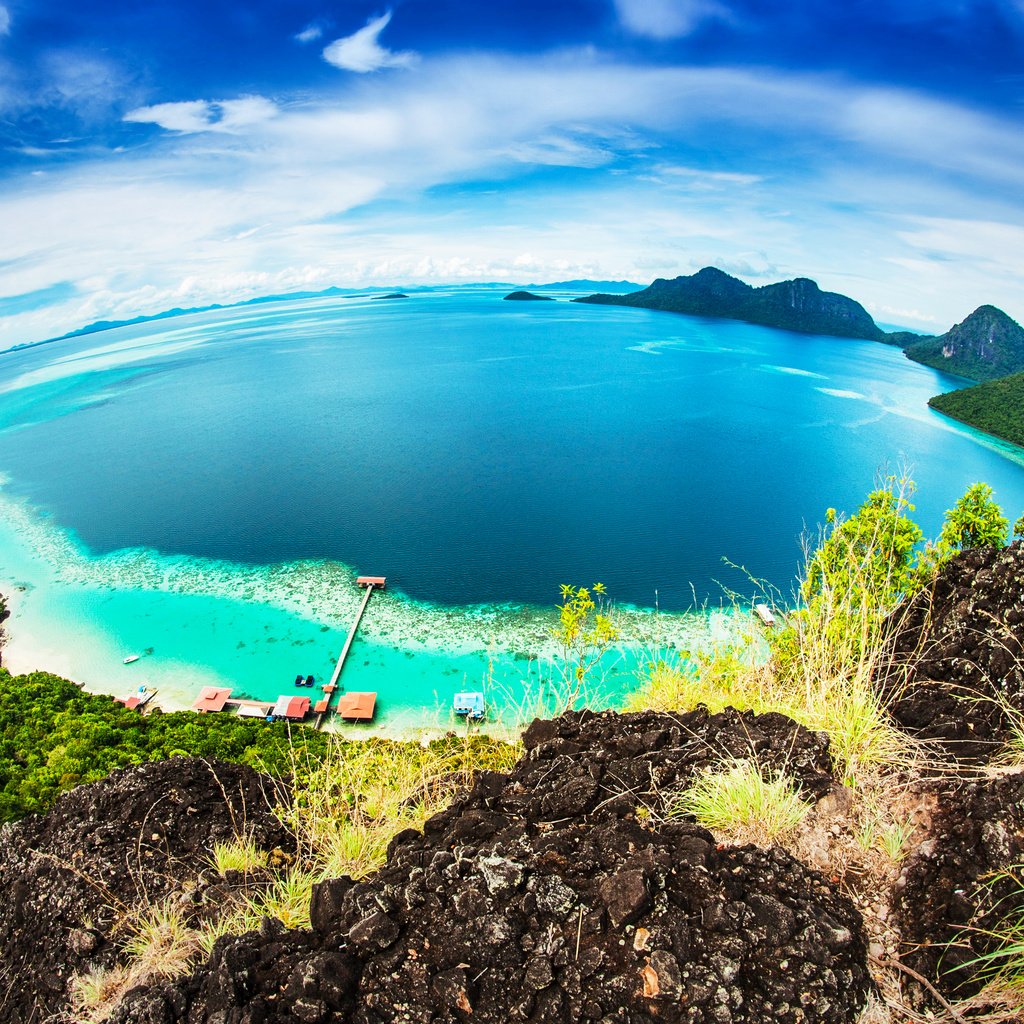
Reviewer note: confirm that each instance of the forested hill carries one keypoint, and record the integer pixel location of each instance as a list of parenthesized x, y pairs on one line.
[(797, 305), (997, 407), (987, 345)]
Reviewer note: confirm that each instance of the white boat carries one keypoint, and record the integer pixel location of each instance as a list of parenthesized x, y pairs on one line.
[(764, 613), (131, 658)]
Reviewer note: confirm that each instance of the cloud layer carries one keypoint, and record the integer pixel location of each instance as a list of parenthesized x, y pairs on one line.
[(571, 162)]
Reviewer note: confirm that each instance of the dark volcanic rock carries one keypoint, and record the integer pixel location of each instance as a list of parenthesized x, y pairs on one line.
[(947, 886), (105, 849), (797, 305), (544, 896), (956, 660)]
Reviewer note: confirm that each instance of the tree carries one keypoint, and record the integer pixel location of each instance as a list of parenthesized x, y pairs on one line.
[(584, 632), (975, 521), (868, 558)]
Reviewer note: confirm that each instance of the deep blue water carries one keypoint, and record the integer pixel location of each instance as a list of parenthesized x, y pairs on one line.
[(475, 450)]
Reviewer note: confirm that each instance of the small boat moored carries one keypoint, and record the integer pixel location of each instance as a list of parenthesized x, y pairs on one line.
[(764, 613), (469, 705), (131, 658)]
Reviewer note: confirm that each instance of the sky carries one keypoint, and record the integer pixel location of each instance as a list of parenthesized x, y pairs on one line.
[(185, 152)]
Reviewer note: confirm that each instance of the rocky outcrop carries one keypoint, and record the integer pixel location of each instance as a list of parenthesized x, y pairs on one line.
[(565, 892), (953, 893), (144, 835), (953, 673), (527, 297), (988, 344), (797, 305)]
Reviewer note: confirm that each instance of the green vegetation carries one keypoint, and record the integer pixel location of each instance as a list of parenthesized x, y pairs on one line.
[(740, 804), (996, 407), (584, 633), (819, 669), (53, 736), (975, 521), (987, 345), (240, 854)]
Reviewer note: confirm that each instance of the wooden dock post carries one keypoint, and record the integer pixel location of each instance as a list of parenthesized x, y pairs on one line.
[(370, 583)]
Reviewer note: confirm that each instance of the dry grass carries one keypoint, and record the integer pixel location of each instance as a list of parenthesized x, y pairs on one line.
[(740, 805), (240, 854)]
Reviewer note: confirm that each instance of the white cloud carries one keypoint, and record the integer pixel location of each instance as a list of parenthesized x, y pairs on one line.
[(5, 21), (243, 183), (191, 116), (361, 52), (667, 19), (310, 34)]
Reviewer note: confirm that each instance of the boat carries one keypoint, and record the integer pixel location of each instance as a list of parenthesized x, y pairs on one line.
[(310, 680), (470, 705), (298, 680), (131, 658), (764, 613)]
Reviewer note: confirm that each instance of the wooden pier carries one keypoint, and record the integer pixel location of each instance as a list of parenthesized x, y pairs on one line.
[(370, 583)]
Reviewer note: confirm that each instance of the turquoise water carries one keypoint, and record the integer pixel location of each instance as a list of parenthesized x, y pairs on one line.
[(206, 487)]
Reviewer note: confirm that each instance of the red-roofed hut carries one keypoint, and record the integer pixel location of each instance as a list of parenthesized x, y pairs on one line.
[(211, 698), (294, 709), (357, 707)]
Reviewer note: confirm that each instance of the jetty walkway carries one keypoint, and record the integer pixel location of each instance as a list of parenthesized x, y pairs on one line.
[(370, 583)]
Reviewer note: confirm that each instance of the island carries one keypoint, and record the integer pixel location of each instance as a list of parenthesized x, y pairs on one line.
[(797, 305), (527, 297), (996, 407), (987, 345), (392, 295)]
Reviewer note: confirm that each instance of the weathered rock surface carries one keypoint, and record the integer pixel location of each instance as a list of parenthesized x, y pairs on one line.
[(558, 893), (134, 839), (948, 886), (955, 671)]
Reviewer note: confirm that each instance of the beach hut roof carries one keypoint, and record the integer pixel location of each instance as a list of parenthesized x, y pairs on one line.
[(357, 707), (291, 707), (211, 698)]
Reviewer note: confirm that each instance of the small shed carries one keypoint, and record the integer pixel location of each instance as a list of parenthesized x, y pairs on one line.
[(252, 711), (371, 581), (471, 705), (320, 707), (211, 698), (357, 707), (294, 709)]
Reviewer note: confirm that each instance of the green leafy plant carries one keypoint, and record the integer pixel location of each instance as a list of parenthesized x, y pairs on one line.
[(585, 631), (975, 521)]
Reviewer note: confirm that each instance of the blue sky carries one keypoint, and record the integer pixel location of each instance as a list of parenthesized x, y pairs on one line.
[(181, 153)]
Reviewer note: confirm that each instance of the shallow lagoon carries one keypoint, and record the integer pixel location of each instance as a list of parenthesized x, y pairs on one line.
[(201, 486)]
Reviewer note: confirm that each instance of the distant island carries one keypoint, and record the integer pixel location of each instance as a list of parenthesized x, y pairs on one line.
[(391, 295), (797, 305), (580, 283), (987, 345), (527, 297)]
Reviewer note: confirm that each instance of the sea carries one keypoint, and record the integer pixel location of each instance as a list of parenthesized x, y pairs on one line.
[(203, 490)]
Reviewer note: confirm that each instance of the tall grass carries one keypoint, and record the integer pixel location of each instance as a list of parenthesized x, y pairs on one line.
[(738, 802), (821, 668)]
